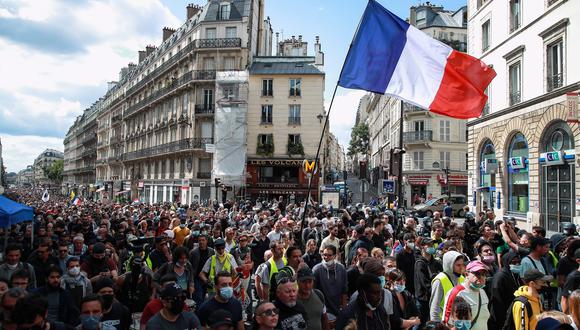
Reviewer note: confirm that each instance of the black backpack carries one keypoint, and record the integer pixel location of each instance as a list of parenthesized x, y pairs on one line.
[(509, 321)]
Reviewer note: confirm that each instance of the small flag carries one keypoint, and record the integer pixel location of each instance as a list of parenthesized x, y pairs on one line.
[(72, 195), (45, 196), (389, 56), (76, 201)]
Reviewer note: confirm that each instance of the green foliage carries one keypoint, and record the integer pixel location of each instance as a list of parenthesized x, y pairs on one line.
[(54, 171), (295, 148), (265, 149), (359, 139)]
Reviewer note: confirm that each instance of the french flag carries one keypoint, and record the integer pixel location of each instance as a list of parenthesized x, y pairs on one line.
[(389, 56)]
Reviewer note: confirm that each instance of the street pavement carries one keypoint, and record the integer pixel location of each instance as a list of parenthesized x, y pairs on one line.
[(354, 184)]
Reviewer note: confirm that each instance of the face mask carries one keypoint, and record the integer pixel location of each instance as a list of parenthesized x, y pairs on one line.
[(182, 226), (399, 287), (196, 233), (367, 304), (177, 307), (476, 287), (431, 250), (383, 281), (226, 292), (107, 300), (462, 324), (12, 267), (75, 271), (411, 246), (488, 259), (90, 322), (515, 268), (329, 263)]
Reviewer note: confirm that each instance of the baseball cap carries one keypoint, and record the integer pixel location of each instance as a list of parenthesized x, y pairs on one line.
[(103, 282), (425, 241), (220, 317), (534, 275), (219, 242), (284, 275), (171, 290), (476, 266), (305, 273), (99, 248)]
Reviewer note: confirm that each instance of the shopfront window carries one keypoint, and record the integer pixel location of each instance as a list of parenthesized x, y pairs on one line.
[(488, 165), (518, 175)]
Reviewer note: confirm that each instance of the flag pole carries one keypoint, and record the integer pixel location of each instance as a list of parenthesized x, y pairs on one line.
[(324, 128)]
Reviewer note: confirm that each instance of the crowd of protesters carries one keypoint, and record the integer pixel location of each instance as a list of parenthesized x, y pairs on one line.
[(257, 265)]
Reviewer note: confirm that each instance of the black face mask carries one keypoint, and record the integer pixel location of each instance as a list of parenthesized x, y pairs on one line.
[(107, 301), (177, 307)]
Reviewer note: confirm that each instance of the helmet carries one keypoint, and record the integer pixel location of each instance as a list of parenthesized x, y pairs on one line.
[(568, 228)]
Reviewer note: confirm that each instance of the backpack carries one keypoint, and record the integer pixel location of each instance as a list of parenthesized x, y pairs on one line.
[(509, 321)]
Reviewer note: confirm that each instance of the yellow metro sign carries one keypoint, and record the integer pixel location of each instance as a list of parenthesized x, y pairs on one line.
[(309, 167)]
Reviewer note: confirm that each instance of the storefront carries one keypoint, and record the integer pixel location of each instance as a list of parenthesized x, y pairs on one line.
[(271, 178), (487, 177), (518, 176)]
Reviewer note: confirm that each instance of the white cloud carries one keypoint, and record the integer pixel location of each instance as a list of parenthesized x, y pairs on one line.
[(20, 151), (343, 114), (62, 54)]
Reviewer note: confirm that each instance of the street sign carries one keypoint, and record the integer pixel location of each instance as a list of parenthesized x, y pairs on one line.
[(364, 186), (210, 148), (388, 186), (554, 158)]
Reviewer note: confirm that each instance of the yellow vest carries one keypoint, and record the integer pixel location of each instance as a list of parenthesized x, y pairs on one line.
[(447, 286), (274, 268), (212, 266)]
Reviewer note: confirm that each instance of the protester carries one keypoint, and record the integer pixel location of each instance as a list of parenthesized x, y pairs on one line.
[(266, 316), (172, 316)]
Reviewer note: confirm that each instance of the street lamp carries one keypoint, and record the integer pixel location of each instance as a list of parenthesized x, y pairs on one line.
[(446, 172), (320, 116)]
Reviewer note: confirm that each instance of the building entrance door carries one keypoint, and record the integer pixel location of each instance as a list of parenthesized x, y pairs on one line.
[(557, 197)]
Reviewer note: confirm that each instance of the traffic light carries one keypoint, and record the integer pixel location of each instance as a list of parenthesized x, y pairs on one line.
[(363, 169), (217, 182), (396, 161)]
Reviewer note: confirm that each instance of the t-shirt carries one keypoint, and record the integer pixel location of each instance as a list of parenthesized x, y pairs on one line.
[(186, 320), (291, 318), (315, 308), (572, 283), (180, 234), (118, 317), (209, 306), (265, 274), (274, 236), (529, 263), (150, 310)]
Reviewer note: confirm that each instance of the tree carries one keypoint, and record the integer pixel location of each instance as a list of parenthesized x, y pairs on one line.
[(54, 171), (359, 139)]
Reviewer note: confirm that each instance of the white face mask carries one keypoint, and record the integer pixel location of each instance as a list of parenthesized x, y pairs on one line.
[(12, 267), (329, 263), (75, 271), (368, 304)]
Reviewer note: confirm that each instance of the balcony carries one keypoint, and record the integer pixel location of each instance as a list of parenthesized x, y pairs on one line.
[(219, 43), (90, 138), (199, 143), (203, 74), (204, 175), (204, 109), (116, 119), (267, 93), (555, 81), (116, 139), (515, 97), (167, 148), (265, 149), (293, 120), (417, 137), (295, 149)]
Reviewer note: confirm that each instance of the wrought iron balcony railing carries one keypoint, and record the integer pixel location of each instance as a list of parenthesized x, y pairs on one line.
[(116, 119), (515, 97), (555, 81), (293, 120), (204, 175), (171, 147), (202, 109), (417, 136), (219, 43), (204, 74)]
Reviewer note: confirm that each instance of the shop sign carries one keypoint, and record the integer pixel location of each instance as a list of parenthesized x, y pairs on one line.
[(517, 163), (572, 107), (141, 184), (454, 180), (554, 158), (419, 180), (275, 162)]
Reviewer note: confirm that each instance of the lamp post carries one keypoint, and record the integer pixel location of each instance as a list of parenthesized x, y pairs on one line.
[(446, 171)]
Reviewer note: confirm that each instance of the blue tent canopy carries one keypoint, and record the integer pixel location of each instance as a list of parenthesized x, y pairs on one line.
[(12, 212)]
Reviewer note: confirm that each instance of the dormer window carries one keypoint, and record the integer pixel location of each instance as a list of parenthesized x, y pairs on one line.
[(225, 11)]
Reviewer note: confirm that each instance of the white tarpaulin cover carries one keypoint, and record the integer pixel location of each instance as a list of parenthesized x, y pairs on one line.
[(229, 158)]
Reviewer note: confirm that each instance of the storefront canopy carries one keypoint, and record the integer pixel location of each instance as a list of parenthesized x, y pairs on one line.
[(12, 212)]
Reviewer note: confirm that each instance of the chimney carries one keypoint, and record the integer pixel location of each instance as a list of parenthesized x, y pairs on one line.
[(142, 55), (149, 49), (318, 54), (300, 38), (167, 32), (123, 73), (131, 66), (192, 10), (110, 85), (277, 44)]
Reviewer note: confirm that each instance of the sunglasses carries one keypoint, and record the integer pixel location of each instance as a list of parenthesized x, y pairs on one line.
[(285, 280), (270, 312)]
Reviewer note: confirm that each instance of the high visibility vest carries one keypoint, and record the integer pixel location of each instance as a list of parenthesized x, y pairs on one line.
[(212, 267), (554, 283), (447, 286), (274, 268)]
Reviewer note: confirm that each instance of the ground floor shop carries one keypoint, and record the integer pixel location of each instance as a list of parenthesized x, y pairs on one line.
[(422, 185), (523, 163)]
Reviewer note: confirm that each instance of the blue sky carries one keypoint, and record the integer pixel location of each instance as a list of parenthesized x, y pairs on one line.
[(62, 53)]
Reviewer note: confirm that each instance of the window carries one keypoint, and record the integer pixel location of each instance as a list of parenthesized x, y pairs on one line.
[(444, 130), (421, 18), (208, 99), (418, 160), (210, 33), (231, 32), (185, 104), (265, 139), (208, 64), (515, 15), (229, 63), (267, 85), (294, 114), (486, 107), (485, 35), (294, 139), (481, 3), (266, 114), (518, 179), (225, 11), (555, 57), (295, 87), (445, 159), (515, 83), (418, 125)]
